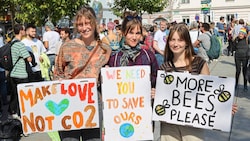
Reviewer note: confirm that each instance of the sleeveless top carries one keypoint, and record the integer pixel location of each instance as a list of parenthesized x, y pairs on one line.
[(115, 45), (197, 65)]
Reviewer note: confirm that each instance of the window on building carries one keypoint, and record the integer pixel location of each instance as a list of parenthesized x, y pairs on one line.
[(110, 20), (185, 1), (104, 20), (228, 17), (186, 19)]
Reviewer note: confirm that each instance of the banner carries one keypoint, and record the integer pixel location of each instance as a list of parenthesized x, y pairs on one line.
[(201, 101), (58, 105), (127, 111)]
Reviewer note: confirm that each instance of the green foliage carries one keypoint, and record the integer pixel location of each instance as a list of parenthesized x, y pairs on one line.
[(38, 11), (139, 6)]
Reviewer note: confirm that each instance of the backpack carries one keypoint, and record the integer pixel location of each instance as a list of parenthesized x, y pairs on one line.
[(215, 47), (11, 129), (5, 56)]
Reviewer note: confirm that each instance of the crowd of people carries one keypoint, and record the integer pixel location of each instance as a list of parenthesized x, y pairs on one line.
[(169, 47)]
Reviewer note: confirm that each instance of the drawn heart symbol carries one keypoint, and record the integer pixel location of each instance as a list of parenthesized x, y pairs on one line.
[(55, 108)]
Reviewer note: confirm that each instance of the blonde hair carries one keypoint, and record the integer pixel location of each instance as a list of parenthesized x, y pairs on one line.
[(88, 13)]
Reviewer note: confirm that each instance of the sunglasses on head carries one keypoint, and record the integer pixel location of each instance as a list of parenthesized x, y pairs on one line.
[(129, 18)]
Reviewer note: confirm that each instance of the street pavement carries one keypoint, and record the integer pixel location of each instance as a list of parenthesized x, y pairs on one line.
[(225, 67)]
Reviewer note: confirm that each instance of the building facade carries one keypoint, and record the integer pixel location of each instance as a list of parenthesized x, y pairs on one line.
[(190, 10), (107, 14)]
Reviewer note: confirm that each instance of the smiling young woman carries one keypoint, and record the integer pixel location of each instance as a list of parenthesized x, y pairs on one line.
[(131, 53), (82, 58)]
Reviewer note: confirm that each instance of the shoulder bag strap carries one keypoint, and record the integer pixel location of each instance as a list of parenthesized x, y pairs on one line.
[(173, 66), (147, 55), (12, 43), (82, 68)]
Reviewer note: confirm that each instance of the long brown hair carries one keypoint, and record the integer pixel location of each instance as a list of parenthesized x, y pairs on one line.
[(88, 12), (130, 21), (183, 32)]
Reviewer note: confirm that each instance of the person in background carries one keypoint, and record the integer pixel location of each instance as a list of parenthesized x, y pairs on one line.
[(230, 47), (3, 84), (36, 47), (194, 33), (112, 38), (147, 40), (203, 42), (248, 28), (102, 30), (221, 29), (241, 57), (213, 29), (18, 74), (118, 30), (64, 37), (82, 58), (160, 42), (50, 40), (237, 28)]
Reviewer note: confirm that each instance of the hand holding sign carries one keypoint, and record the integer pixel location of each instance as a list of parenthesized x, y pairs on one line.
[(195, 100)]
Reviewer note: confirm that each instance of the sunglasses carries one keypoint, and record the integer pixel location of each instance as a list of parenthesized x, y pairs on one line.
[(129, 18)]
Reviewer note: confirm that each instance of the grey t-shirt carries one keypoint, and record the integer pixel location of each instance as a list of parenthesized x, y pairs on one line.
[(204, 45)]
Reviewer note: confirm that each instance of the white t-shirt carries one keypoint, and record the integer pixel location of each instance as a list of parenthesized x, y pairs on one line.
[(160, 37), (58, 46), (52, 37), (1, 41), (194, 35), (37, 48)]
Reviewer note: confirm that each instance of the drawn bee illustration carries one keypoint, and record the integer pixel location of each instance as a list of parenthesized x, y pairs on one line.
[(168, 79), (223, 96), (160, 109)]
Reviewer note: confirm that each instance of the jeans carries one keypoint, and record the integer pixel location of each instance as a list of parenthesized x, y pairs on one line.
[(159, 58), (14, 103), (222, 39), (238, 63), (52, 63)]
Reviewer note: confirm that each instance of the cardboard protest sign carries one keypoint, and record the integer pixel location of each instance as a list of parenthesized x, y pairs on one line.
[(127, 111), (58, 105), (201, 101)]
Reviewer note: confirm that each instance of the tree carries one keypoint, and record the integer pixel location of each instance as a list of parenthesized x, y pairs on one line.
[(139, 6), (42, 10), (39, 11)]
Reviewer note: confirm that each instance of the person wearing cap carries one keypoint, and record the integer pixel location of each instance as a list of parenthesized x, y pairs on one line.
[(50, 40), (241, 57)]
